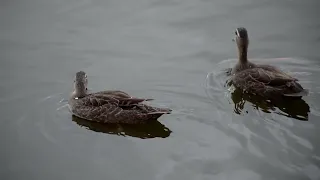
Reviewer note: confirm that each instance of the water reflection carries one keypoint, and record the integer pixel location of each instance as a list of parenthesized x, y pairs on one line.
[(292, 107), (152, 129)]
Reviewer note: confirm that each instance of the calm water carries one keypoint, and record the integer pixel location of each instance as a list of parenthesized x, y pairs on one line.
[(174, 51)]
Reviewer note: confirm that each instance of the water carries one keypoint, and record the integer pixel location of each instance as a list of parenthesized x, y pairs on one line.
[(172, 51)]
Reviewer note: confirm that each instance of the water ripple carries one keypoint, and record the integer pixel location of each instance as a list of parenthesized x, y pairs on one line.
[(258, 125)]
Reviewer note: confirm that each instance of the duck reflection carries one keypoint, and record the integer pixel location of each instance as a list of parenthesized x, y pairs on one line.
[(152, 129), (294, 107)]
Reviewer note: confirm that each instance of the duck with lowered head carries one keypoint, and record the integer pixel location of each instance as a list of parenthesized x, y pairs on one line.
[(258, 79), (110, 106)]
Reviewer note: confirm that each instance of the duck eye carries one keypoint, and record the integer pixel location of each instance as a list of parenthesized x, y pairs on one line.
[(237, 33)]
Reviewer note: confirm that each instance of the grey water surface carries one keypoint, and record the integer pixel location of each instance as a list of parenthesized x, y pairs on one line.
[(174, 51)]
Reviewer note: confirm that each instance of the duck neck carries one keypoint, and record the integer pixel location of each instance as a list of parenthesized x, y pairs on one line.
[(242, 53), (78, 93)]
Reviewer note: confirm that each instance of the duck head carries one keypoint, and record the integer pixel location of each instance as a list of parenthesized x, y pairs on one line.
[(242, 41), (80, 84)]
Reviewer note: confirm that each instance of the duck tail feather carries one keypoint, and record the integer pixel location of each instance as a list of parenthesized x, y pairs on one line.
[(159, 112), (140, 99), (304, 92)]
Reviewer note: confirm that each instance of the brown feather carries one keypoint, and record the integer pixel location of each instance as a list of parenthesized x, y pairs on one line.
[(264, 82), (114, 108)]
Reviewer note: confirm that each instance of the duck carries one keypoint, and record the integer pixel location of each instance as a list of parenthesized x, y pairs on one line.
[(110, 106), (261, 79)]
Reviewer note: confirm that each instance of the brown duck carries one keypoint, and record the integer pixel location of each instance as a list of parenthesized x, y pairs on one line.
[(263, 80), (110, 106)]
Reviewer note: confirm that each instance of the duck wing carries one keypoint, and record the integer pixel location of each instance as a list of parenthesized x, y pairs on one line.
[(97, 100), (107, 109), (123, 98), (266, 83), (116, 93), (96, 107), (265, 76), (276, 71)]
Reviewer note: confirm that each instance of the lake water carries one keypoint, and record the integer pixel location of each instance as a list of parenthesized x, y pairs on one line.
[(174, 51)]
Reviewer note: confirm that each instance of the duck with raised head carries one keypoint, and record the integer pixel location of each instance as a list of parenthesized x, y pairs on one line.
[(259, 79), (110, 106)]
